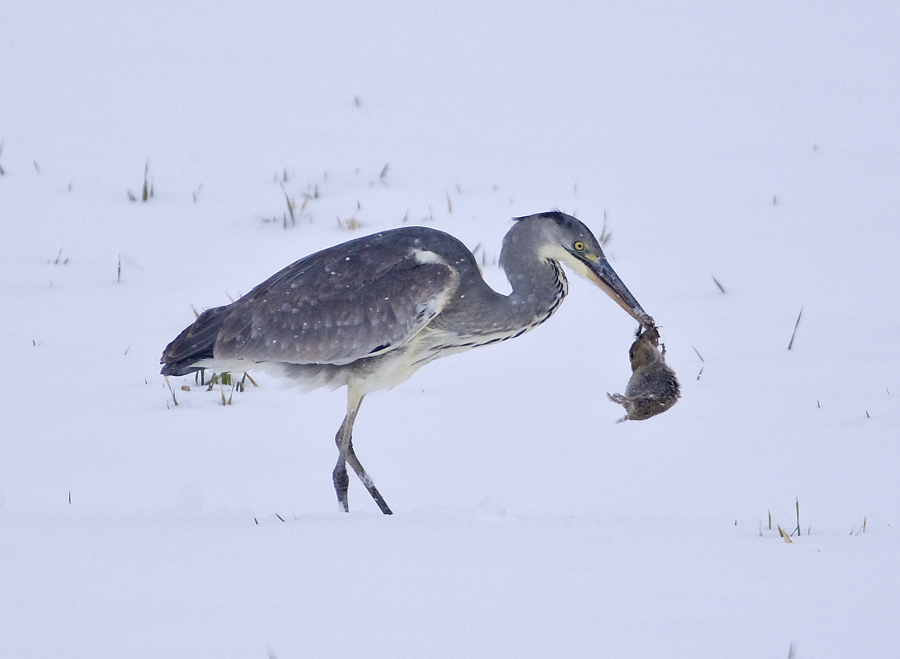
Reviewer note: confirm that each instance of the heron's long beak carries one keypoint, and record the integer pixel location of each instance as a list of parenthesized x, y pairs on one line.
[(601, 273)]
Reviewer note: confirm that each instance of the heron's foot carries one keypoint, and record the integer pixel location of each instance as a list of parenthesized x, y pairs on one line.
[(366, 480), (376, 495), (341, 485)]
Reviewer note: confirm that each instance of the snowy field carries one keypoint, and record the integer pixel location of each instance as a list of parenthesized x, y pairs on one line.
[(756, 145)]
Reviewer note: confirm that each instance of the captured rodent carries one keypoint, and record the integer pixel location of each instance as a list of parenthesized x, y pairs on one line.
[(653, 387)]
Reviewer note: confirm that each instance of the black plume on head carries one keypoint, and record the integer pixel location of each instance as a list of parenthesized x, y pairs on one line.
[(555, 214)]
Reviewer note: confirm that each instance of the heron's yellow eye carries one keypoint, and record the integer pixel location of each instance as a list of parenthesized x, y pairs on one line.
[(578, 246)]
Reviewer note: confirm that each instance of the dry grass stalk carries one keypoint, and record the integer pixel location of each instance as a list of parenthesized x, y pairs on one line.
[(796, 325), (350, 224), (169, 385)]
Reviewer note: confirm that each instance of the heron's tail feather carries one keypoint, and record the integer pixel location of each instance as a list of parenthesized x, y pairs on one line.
[(194, 343)]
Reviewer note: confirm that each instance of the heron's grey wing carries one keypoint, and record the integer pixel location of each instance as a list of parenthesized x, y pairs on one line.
[(334, 307)]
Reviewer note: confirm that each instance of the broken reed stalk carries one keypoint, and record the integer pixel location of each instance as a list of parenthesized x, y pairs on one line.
[(605, 235), (702, 360), (147, 191), (721, 288), (784, 535), (59, 259), (796, 325)]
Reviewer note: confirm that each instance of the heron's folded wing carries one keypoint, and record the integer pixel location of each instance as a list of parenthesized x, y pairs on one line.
[(336, 307)]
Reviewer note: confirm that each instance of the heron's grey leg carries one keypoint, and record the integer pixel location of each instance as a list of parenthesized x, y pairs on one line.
[(344, 441), (366, 479)]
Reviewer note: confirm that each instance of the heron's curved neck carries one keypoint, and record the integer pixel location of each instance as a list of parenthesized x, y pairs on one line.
[(480, 315), (538, 284)]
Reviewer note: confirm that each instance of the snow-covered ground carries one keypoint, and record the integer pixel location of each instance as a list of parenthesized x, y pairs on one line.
[(754, 143)]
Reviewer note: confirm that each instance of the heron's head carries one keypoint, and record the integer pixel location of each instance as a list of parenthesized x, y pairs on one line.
[(564, 239)]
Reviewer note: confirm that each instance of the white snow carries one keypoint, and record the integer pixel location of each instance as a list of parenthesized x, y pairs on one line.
[(756, 143)]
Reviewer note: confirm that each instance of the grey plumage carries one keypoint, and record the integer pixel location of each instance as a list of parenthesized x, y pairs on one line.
[(370, 312)]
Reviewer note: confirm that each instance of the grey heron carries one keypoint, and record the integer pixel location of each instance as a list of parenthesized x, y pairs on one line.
[(368, 313)]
